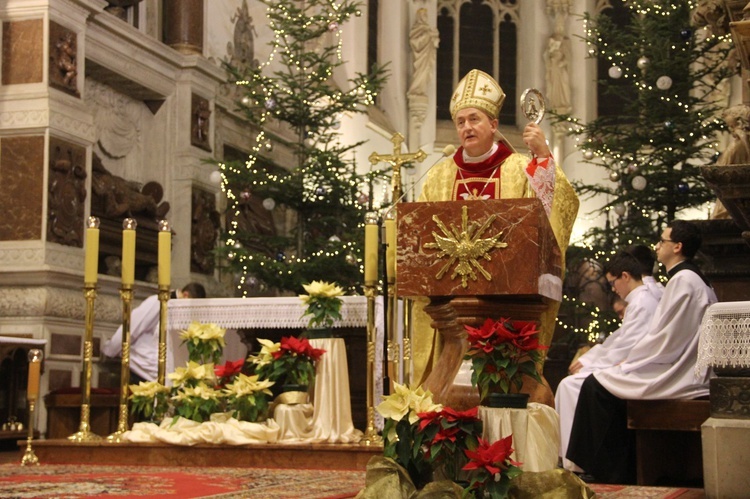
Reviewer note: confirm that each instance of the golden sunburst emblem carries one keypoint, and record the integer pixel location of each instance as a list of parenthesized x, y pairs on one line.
[(465, 247)]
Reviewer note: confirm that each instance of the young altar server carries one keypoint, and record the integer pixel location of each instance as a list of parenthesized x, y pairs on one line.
[(624, 274), (660, 366)]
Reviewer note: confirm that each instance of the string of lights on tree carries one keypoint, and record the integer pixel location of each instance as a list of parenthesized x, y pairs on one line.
[(666, 78), (323, 190)]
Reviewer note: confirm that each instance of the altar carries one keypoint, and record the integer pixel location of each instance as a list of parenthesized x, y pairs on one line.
[(247, 319)]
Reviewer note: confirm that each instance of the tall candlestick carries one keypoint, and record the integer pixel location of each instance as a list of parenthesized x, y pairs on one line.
[(35, 363), (128, 251), (371, 248), (165, 253), (91, 262), (390, 240)]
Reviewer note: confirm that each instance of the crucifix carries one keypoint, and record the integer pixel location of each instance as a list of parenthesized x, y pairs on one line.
[(396, 160)]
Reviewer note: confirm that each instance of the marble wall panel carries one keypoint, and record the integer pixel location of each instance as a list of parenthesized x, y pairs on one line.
[(23, 48), (21, 188)]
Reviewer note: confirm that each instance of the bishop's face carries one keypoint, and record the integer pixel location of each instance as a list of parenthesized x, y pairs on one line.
[(476, 131)]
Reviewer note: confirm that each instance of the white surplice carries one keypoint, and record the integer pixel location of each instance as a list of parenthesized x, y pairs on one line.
[(642, 303), (661, 365)]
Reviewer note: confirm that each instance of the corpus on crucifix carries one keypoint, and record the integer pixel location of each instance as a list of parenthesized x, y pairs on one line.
[(397, 160)]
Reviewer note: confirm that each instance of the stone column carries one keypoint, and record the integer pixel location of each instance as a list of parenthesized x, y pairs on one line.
[(183, 25)]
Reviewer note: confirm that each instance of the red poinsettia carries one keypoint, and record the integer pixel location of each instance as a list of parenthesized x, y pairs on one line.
[(446, 434), (298, 346), (226, 373), (289, 362), (502, 352), (491, 466)]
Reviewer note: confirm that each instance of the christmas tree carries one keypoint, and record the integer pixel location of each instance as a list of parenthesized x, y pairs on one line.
[(662, 78), (660, 100), (321, 192)]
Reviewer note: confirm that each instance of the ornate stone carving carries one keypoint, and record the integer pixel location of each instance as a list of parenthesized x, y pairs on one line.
[(730, 397), (115, 197), (200, 123), (63, 53), (731, 183), (56, 302), (67, 193), (118, 120), (205, 227), (241, 53)]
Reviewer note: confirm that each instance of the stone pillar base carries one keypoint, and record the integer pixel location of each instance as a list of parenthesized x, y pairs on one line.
[(726, 454)]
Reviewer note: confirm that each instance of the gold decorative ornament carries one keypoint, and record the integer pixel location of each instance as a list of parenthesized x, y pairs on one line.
[(465, 246)]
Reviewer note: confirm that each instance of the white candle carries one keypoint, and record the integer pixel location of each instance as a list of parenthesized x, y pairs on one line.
[(91, 256)]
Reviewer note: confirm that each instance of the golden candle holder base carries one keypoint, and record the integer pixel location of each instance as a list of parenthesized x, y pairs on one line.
[(29, 458), (115, 438), (84, 436)]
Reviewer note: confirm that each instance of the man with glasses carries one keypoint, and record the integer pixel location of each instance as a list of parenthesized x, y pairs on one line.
[(660, 366), (624, 272)]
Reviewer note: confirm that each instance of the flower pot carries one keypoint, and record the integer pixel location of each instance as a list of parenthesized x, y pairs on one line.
[(507, 400), (318, 333), (292, 394)]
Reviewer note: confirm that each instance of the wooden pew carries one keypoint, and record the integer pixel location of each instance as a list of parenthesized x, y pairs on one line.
[(668, 440)]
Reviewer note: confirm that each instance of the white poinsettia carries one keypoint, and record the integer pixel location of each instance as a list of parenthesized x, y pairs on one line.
[(323, 304), (200, 391), (203, 332), (148, 389), (405, 402), (193, 371), (248, 385), (321, 289), (265, 356)]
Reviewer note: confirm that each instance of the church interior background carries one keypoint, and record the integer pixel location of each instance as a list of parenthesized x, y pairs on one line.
[(116, 107)]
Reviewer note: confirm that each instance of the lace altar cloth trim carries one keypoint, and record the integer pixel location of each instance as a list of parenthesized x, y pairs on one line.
[(725, 336), (256, 313)]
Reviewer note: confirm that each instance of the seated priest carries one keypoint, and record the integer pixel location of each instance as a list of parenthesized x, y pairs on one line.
[(487, 167), (661, 365)]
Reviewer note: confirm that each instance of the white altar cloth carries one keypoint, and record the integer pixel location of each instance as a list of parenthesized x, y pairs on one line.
[(535, 430), (258, 313)]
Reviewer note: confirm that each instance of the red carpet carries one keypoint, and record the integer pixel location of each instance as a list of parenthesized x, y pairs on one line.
[(56, 481), (71, 482)]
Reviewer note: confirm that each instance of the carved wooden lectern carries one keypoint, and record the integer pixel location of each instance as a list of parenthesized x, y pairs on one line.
[(475, 260)]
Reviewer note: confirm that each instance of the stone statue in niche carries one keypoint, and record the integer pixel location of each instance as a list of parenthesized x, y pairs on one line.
[(120, 8), (201, 124), (66, 59), (424, 41), (119, 198), (63, 68), (737, 152), (205, 228), (67, 193)]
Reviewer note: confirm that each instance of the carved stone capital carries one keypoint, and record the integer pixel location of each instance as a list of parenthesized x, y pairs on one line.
[(730, 398)]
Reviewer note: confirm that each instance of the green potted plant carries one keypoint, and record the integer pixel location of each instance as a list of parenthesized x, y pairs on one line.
[(149, 400), (501, 353), (323, 303)]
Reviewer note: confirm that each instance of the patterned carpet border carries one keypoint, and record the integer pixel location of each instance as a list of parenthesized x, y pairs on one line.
[(125, 482)]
